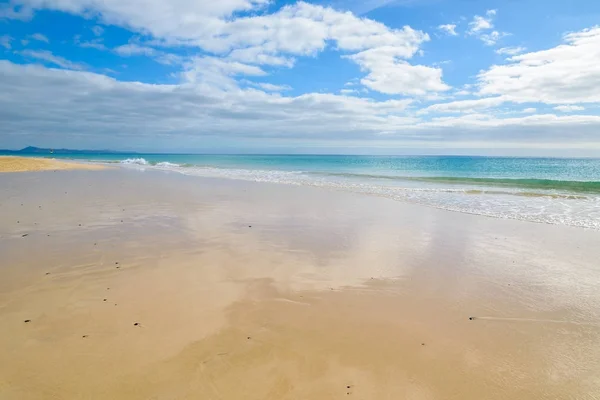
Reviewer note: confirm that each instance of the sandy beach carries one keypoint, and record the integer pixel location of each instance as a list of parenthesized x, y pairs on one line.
[(133, 284), (25, 164)]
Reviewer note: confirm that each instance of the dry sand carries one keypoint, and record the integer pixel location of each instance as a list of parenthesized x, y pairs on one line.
[(258, 291), (24, 164)]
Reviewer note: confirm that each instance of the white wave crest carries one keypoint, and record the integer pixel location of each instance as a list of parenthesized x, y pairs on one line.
[(166, 164), (135, 161)]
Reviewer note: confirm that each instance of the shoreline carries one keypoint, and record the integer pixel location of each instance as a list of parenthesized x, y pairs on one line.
[(252, 290), (9, 164)]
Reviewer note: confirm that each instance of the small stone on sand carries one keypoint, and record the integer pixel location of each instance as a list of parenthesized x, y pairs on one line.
[(27, 320)]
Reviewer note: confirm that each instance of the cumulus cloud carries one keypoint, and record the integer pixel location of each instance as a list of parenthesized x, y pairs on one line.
[(58, 103), (387, 73), (480, 23), (229, 43), (481, 27), (450, 29), (275, 39), (566, 74)]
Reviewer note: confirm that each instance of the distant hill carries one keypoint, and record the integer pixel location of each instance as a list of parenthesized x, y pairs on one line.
[(39, 150)]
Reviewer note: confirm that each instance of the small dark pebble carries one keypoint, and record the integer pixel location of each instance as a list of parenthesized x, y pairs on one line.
[(118, 267), (422, 344), (94, 244), (84, 336), (121, 220), (79, 224), (18, 222), (116, 262), (48, 235), (25, 234), (471, 318), (249, 226), (248, 337), (27, 320), (104, 300), (47, 273), (136, 324), (107, 288), (348, 387)]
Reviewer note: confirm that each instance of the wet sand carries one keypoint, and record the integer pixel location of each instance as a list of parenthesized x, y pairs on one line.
[(260, 291), (25, 164)]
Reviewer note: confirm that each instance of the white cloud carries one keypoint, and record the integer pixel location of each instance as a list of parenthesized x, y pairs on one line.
[(530, 110), (273, 88), (450, 29), (480, 26), (480, 23), (490, 39), (39, 37), (257, 55), (566, 74), (569, 108), (275, 39), (5, 41), (38, 103), (212, 72), (464, 106), (511, 51), (48, 57), (132, 49), (389, 74)]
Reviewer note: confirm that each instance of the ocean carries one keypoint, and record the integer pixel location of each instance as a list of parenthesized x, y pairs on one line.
[(545, 190)]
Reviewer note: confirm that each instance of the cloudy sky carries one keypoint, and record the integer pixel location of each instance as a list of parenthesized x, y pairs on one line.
[(334, 76)]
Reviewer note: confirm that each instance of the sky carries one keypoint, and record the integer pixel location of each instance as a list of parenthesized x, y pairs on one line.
[(501, 77)]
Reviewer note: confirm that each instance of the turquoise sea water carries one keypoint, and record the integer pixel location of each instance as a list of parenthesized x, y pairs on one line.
[(549, 190)]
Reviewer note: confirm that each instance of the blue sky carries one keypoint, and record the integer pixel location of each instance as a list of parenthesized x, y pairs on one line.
[(340, 76)]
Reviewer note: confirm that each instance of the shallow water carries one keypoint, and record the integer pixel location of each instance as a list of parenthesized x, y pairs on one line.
[(546, 190)]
